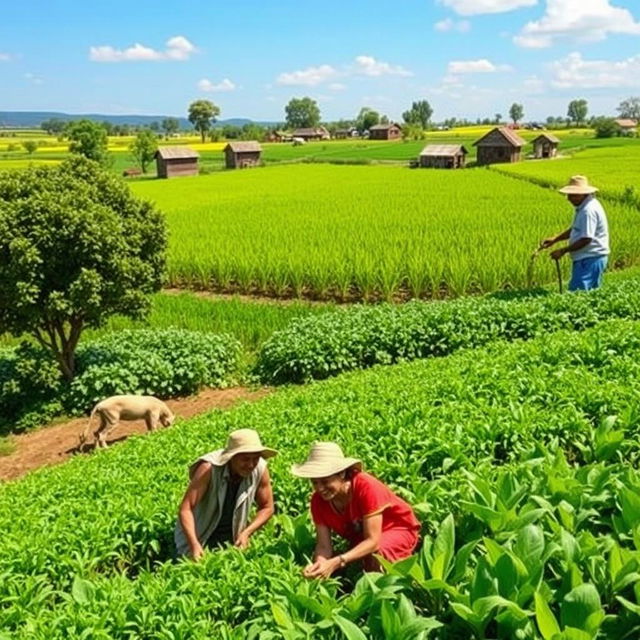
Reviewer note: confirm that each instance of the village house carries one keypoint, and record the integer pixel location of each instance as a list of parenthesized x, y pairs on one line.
[(242, 155), (342, 134), (174, 162), (627, 126), (443, 156), (311, 133), (390, 131), (545, 146), (499, 145)]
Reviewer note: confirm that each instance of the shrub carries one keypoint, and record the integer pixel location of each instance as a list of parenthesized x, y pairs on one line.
[(358, 337), (161, 363)]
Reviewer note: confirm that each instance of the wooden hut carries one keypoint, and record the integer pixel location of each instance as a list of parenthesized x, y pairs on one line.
[(343, 134), (627, 126), (242, 155), (174, 162), (311, 133), (545, 146), (390, 131), (499, 145), (443, 156)]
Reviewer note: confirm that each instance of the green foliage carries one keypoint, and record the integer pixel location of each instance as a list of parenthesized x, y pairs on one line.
[(143, 148), (366, 118), (419, 114), (302, 112), (606, 127), (317, 347), (30, 146), (516, 112), (170, 126), (577, 111), (630, 108), (202, 114), (76, 247), (162, 363), (87, 138), (523, 536)]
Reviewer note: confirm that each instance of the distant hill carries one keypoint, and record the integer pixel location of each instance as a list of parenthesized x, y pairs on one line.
[(33, 119)]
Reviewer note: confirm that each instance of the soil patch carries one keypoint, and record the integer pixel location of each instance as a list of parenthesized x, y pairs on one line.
[(53, 445)]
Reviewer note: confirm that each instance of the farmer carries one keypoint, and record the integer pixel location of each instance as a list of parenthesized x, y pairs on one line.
[(223, 486), (356, 506), (588, 236)]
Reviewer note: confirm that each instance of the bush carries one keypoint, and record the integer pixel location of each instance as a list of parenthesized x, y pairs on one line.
[(161, 363), (358, 337)]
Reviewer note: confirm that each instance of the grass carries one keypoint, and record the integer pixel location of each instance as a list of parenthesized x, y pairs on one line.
[(7, 445)]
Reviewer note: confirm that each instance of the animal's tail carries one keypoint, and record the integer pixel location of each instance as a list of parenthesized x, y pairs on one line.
[(85, 434)]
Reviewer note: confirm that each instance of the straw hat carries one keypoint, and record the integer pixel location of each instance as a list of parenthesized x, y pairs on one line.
[(243, 441), (325, 459), (578, 185)]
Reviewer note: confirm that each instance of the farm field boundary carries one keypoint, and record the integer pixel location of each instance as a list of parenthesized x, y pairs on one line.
[(514, 441)]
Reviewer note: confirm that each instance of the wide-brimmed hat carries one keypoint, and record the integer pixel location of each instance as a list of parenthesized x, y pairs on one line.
[(325, 459), (243, 441), (578, 185)]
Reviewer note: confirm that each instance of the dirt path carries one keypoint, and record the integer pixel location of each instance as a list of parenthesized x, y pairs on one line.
[(54, 444)]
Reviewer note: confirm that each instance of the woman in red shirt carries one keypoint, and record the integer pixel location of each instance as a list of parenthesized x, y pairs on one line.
[(356, 506)]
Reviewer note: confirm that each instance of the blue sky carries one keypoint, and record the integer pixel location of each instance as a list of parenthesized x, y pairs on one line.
[(469, 58)]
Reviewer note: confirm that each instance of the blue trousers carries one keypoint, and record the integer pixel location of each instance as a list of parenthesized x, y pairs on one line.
[(587, 273)]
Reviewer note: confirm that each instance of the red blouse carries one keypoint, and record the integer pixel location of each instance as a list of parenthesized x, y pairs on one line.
[(369, 497)]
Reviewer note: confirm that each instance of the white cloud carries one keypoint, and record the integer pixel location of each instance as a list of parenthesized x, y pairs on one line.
[(178, 48), (533, 85), (582, 20), (224, 86), (482, 65), (369, 66), (309, 77), (573, 72), (337, 86), (5, 57), (461, 26), (475, 7)]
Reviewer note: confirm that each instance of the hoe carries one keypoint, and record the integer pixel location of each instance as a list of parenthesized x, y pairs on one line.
[(534, 255)]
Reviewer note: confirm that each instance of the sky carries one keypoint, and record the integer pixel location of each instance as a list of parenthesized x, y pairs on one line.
[(468, 58)]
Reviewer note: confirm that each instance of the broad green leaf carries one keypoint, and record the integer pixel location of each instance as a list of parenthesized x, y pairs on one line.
[(391, 623), (349, 629), (579, 606), (547, 622), (280, 616), (529, 546), (82, 590), (443, 548)]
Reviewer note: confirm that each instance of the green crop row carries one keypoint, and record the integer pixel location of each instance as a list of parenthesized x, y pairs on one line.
[(513, 441), (165, 363), (369, 233), (361, 336)]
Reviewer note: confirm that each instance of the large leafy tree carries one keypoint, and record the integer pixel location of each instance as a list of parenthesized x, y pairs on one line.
[(630, 108), (88, 139), (302, 112), (170, 126), (578, 110), (143, 148), (420, 113), (516, 112), (366, 119), (202, 114), (75, 248)]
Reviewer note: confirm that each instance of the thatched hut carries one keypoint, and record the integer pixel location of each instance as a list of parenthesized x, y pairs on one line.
[(499, 145), (242, 155), (545, 146), (443, 156), (389, 131), (174, 162)]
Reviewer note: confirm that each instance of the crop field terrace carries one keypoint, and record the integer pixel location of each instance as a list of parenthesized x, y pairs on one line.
[(367, 233)]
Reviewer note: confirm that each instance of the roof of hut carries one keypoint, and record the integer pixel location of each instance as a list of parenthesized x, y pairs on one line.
[(443, 150), (245, 146), (172, 153), (383, 127), (626, 123), (547, 136), (511, 137)]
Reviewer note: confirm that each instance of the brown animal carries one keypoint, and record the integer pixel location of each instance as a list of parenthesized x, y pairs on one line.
[(112, 410)]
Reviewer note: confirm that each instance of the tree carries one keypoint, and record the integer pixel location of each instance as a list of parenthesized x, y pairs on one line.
[(143, 148), (420, 113), (577, 111), (77, 247), (606, 127), (302, 112), (88, 139), (202, 114), (154, 126), (30, 146), (170, 126), (366, 119), (630, 108), (53, 126), (497, 118), (516, 112)]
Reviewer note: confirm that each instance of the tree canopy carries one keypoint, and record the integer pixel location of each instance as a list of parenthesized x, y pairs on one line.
[(302, 112), (170, 126), (143, 148), (366, 119), (419, 114), (630, 108), (88, 139), (516, 112), (578, 110), (75, 248), (202, 114)]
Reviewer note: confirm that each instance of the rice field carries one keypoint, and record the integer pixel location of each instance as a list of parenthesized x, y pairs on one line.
[(374, 232), (615, 170)]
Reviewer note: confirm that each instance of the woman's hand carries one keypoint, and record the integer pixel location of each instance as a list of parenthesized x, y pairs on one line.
[(322, 568)]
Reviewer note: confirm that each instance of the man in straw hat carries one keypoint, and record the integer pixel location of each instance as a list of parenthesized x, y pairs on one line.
[(356, 506), (224, 484), (588, 236)]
